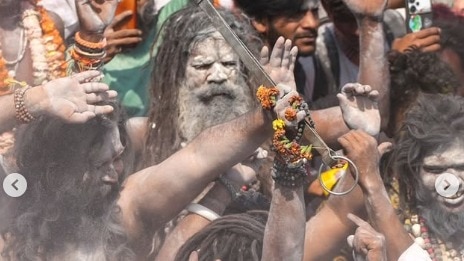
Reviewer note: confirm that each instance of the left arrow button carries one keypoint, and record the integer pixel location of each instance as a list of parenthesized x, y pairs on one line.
[(14, 185)]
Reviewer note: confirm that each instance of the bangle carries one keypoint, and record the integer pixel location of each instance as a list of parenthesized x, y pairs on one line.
[(90, 45), (202, 211), (81, 63), (89, 50), (234, 193), (93, 55), (22, 114)]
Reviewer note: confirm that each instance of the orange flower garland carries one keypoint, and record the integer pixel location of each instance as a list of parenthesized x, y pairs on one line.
[(53, 45), (267, 96), (4, 86), (289, 150)]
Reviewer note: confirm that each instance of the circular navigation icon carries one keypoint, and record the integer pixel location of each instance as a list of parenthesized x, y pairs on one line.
[(447, 185), (14, 185)]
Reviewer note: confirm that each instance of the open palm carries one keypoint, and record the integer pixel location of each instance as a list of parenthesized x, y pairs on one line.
[(280, 63)]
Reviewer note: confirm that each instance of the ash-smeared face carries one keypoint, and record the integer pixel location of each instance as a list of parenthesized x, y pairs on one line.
[(107, 167), (447, 160), (214, 90), (444, 214)]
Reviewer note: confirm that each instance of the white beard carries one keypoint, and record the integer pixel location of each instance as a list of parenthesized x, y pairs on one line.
[(211, 104)]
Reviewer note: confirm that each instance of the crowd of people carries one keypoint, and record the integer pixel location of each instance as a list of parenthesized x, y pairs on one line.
[(154, 141)]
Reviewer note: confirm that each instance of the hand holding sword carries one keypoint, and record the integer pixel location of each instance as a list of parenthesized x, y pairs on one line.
[(349, 105)]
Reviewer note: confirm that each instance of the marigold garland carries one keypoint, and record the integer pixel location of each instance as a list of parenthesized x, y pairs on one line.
[(267, 96), (290, 114), (4, 87), (54, 46), (290, 150)]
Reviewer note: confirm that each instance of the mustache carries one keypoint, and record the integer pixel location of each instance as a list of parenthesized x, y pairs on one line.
[(207, 92), (308, 33)]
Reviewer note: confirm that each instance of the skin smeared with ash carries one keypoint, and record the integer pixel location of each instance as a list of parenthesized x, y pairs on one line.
[(215, 87), (373, 67), (445, 216)]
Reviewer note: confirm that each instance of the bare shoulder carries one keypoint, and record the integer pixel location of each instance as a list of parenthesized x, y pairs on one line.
[(136, 128)]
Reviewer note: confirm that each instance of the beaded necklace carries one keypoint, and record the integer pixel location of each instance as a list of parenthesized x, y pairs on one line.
[(437, 249), (46, 46)]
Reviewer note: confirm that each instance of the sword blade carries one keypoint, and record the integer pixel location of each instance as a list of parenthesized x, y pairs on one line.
[(237, 45), (257, 70)]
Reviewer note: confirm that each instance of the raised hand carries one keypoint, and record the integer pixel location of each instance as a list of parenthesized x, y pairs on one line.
[(366, 241), (362, 149), (117, 39), (73, 98), (427, 40), (95, 15), (364, 8), (359, 107), (281, 63)]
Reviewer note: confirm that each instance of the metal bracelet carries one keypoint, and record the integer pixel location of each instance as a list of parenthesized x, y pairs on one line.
[(356, 176)]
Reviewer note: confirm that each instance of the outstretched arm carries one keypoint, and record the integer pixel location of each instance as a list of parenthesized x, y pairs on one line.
[(362, 149), (154, 195), (373, 71), (71, 99), (216, 200), (285, 228), (359, 105), (373, 65)]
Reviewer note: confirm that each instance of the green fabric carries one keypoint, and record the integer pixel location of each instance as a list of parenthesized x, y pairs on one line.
[(129, 73)]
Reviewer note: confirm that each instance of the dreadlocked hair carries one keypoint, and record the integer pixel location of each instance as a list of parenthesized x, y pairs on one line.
[(414, 72), (434, 123), (59, 208), (237, 237), (179, 34)]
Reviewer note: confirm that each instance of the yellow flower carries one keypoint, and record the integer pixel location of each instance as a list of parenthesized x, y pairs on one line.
[(278, 124)]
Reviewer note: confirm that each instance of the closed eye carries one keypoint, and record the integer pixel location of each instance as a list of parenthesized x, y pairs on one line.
[(229, 64), (434, 169), (202, 66)]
